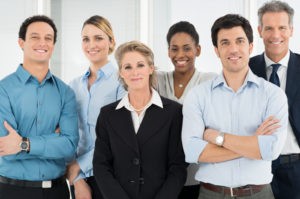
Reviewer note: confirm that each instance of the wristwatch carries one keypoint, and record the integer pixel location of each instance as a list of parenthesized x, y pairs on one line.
[(24, 145), (220, 139)]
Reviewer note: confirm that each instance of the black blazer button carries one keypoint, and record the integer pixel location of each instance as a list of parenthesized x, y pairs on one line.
[(142, 181), (131, 181), (136, 161)]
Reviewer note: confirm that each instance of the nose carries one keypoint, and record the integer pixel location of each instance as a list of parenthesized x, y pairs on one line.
[(233, 48), (180, 53), (276, 33)]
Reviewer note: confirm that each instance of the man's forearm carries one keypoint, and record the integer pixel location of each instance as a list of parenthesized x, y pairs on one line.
[(246, 146), (214, 153)]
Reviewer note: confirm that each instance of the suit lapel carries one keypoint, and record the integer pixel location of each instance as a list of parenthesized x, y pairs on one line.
[(122, 124), (155, 118), (259, 67), (293, 80)]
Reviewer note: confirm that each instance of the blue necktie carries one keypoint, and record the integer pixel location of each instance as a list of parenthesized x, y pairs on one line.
[(274, 77)]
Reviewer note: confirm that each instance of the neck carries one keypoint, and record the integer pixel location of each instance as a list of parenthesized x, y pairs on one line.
[(183, 78), (38, 70), (139, 98), (235, 79), (275, 58), (94, 67)]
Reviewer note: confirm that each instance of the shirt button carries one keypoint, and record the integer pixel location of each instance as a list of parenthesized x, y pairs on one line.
[(39, 121), (43, 176), (40, 103)]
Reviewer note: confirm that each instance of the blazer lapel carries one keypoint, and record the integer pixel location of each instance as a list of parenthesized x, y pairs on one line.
[(293, 80), (122, 124), (259, 66), (155, 118)]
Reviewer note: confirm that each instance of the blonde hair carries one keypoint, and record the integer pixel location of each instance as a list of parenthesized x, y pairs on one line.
[(136, 46), (104, 25)]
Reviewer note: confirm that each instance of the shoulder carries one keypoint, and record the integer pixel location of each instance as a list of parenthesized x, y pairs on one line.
[(204, 76), (272, 91), (75, 82), (110, 107), (256, 59), (64, 89)]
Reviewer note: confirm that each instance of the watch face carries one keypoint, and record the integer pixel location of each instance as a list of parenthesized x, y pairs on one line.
[(219, 140), (24, 145)]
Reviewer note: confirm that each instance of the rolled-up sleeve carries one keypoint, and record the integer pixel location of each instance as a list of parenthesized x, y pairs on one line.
[(271, 145), (192, 128)]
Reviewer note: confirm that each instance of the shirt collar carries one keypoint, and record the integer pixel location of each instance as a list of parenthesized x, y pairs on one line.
[(105, 71), (250, 78), (24, 75), (283, 62), (155, 99)]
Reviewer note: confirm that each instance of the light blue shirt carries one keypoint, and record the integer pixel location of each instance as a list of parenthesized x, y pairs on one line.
[(35, 110), (105, 90), (215, 105)]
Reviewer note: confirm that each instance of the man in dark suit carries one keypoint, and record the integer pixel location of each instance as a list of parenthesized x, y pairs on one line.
[(282, 67)]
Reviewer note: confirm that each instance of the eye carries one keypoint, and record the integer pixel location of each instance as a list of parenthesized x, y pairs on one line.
[(127, 67), (174, 49), (99, 38), (224, 43), (34, 37), (187, 49), (48, 38), (268, 28), (282, 28), (141, 65), (85, 39), (240, 41)]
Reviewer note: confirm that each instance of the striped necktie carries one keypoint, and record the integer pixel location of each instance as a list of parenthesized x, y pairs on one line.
[(274, 76)]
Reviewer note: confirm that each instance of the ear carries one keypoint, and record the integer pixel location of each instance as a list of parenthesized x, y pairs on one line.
[(259, 31), (250, 48), (292, 30), (198, 48), (21, 43), (111, 43), (151, 69), (217, 51)]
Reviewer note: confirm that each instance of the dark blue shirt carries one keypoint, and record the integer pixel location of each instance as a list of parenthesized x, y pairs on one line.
[(35, 110)]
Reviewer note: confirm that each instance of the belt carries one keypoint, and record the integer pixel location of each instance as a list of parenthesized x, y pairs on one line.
[(283, 159), (33, 184), (234, 192)]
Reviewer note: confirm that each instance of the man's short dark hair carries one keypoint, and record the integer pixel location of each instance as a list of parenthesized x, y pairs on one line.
[(185, 27), (36, 18), (230, 21)]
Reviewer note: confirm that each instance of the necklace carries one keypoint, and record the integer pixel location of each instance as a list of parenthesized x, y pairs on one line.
[(137, 110), (180, 85)]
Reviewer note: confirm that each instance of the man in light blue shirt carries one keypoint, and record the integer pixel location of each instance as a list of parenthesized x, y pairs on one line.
[(235, 124), (34, 103)]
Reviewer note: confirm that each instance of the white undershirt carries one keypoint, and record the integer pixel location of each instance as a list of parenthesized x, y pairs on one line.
[(291, 144), (137, 119)]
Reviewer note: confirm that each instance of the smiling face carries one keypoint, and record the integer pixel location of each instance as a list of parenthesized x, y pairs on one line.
[(39, 43), (276, 33), (95, 44), (135, 71), (233, 49), (183, 52)]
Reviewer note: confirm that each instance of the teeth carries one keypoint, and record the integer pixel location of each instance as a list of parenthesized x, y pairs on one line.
[(93, 52), (233, 58), (181, 62), (278, 42), (41, 51)]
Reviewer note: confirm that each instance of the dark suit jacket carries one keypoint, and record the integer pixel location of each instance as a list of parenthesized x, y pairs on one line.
[(146, 165), (258, 66)]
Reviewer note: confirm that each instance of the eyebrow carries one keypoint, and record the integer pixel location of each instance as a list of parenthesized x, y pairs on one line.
[(35, 33)]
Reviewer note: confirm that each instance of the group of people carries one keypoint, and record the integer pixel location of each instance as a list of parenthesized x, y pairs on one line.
[(122, 132)]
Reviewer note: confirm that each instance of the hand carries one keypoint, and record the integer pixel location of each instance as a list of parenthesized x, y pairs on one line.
[(82, 190), (210, 135), (57, 130), (10, 144), (268, 127), (73, 170)]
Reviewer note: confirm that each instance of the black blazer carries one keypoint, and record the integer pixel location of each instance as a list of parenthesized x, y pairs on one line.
[(258, 66), (146, 165)]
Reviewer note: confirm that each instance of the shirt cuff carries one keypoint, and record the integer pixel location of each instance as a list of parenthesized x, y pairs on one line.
[(80, 176), (194, 149), (266, 143), (85, 161), (37, 145)]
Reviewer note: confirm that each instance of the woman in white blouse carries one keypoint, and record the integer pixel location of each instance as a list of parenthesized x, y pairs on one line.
[(183, 48)]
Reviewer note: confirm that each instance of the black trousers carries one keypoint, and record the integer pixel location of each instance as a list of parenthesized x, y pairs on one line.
[(96, 194), (60, 191), (190, 192), (286, 180)]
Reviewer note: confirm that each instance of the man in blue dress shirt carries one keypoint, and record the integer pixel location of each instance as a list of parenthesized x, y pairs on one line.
[(235, 124), (34, 104)]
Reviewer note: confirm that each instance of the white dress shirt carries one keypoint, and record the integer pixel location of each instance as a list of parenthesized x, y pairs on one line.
[(137, 119), (291, 144)]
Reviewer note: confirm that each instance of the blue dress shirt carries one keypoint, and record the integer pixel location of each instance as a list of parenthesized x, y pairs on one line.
[(105, 90), (215, 105), (35, 110)]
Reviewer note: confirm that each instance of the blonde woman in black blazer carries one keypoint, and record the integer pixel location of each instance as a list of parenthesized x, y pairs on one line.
[(138, 150)]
